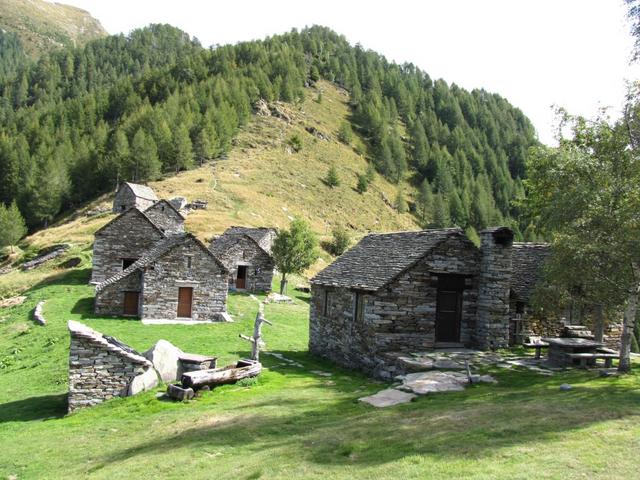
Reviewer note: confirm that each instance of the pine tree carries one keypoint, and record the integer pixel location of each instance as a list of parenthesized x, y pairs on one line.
[(424, 203), (401, 202), (182, 149), (12, 225), (441, 217), (363, 183), (145, 164), (345, 133), (332, 179)]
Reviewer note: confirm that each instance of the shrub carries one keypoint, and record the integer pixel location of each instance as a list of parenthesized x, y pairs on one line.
[(363, 184), (345, 134), (340, 241), (295, 142)]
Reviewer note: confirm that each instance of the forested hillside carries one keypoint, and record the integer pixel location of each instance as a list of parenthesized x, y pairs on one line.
[(155, 102)]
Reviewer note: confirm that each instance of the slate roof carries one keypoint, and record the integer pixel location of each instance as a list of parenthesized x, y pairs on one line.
[(379, 258), (131, 211), (527, 260), (156, 252), (231, 236), (142, 191), (166, 204)]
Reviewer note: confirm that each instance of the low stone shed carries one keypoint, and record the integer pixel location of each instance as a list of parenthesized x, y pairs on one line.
[(411, 292)]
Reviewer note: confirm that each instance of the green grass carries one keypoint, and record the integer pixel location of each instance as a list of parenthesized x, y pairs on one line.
[(291, 423)]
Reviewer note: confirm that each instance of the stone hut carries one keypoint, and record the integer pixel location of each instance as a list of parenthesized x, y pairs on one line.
[(165, 216), (246, 252), (133, 195), (411, 291), (121, 242), (101, 368), (177, 279)]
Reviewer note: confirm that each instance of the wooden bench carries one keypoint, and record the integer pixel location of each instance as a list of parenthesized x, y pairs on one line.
[(585, 357), (537, 343)]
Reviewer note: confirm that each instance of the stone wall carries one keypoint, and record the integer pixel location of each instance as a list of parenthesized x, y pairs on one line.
[(260, 266), (171, 271), (110, 299), (126, 199), (492, 328), (100, 370), (399, 317), (165, 217), (128, 236)]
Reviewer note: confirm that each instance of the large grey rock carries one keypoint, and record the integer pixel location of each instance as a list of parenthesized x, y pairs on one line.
[(143, 382), (166, 360), (416, 363), (388, 398), (434, 381)]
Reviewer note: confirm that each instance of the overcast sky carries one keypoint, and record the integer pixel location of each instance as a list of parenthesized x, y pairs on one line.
[(536, 53)]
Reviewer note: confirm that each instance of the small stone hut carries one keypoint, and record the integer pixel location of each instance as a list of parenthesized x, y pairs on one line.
[(101, 368), (165, 216), (246, 252), (133, 195), (412, 291), (177, 279)]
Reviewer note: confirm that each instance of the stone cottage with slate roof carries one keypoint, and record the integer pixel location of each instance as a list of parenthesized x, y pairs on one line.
[(165, 217), (246, 252), (177, 279), (410, 292), (132, 195)]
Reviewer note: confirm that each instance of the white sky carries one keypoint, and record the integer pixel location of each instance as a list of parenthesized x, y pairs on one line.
[(536, 53)]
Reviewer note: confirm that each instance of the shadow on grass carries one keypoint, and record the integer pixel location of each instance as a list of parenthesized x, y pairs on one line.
[(34, 408), (84, 307), (341, 431), (78, 276)]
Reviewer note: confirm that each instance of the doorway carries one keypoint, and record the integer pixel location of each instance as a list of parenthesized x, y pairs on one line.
[(241, 279), (449, 308), (131, 303), (185, 297)]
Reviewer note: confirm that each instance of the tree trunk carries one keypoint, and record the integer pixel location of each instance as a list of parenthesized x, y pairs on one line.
[(629, 323), (598, 323), (283, 283)]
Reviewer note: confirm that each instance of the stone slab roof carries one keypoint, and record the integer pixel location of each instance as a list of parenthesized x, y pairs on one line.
[(167, 204), (156, 252), (527, 260), (142, 191), (231, 236), (131, 211), (379, 258), (77, 329)]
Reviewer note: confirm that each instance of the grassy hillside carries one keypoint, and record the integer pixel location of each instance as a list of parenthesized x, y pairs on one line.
[(261, 183), (292, 422), (42, 25)]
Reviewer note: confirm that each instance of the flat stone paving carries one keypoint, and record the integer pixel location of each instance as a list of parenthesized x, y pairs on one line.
[(445, 371)]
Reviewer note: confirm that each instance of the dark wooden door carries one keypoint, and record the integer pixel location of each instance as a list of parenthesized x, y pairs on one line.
[(185, 296), (131, 303), (448, 314), (241, 279)]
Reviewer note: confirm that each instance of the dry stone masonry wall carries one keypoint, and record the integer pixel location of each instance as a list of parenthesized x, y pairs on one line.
[(100, 370)]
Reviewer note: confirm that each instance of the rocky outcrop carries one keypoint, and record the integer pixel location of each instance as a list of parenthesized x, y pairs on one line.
[(165, 358)]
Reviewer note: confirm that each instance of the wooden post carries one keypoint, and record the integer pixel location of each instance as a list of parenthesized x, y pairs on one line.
[(256, 339)]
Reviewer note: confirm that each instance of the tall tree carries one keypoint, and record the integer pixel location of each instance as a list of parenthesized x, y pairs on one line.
[(294, 250), (586, 195), (12, 225)]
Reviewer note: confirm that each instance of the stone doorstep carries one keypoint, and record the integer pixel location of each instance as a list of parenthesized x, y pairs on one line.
[(149, 321)]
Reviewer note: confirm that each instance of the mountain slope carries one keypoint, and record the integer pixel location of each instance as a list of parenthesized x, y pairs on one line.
[(43, 26), (261, 183)]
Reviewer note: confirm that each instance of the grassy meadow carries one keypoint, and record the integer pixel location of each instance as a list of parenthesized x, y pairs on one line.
[(291, 422)]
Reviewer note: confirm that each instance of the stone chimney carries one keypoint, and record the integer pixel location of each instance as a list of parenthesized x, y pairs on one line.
[(492, 327)]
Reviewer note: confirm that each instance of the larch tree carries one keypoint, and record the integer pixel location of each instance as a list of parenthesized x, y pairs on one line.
[(12, 225)]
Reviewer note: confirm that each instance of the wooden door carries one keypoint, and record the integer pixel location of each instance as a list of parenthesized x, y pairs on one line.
[(131, 303), (241, 279), (449, 308), (185, 296)]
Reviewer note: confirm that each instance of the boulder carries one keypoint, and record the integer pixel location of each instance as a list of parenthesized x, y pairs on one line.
[(71, 263), (166, 360), (434, 381), (388, 398), (143, 382)]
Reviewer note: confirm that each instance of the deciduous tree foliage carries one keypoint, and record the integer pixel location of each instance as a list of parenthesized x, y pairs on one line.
[(85, 106), (294, 250)]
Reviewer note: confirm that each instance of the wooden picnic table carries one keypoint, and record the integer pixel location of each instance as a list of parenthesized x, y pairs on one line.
[(561, 351)]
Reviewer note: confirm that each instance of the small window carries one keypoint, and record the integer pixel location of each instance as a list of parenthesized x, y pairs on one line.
[(520, 307), (189, 262), (122, 207), (325, 305), (358, 307), (127, 262)]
